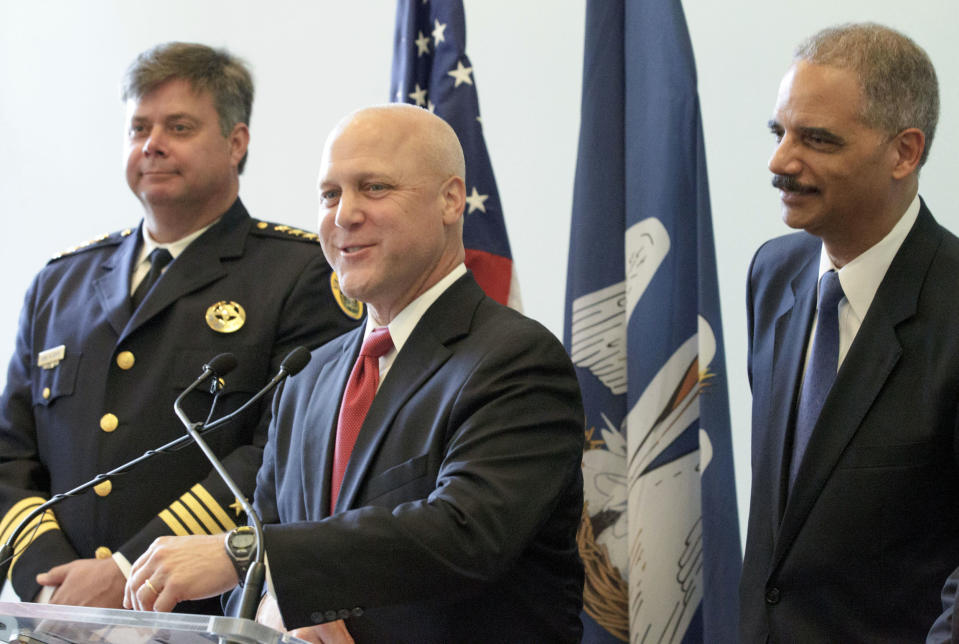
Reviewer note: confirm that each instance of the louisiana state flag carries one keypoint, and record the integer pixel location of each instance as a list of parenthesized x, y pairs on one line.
[(660, 533), (431, 69)]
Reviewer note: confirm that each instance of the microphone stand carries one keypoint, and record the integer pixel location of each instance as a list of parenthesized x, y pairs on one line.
[(256, 573)]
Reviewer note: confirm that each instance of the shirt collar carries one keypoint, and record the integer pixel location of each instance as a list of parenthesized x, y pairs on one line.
[(861, 277), (175, 247), (406, 320)]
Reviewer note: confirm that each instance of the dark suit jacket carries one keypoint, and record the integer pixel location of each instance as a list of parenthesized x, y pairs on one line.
[(133, 365), (861, 546), (457, 517)]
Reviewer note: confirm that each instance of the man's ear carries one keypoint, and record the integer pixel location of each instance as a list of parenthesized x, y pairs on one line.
[(239, 140), (908, 146), (453, 192)]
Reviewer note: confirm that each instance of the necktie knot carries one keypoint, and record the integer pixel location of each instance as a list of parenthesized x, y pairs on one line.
[(159, 259), (830, 291), (378, 343)]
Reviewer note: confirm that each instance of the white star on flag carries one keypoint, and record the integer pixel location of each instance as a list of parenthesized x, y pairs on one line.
[(419, 95), (476, 201), (438, 35), (422, 44), (430, 106), (461, 74)]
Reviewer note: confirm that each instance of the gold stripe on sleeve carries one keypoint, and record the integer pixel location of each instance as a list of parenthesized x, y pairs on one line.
[(15, 514), (191, 524), (37, 526), (215, 508), (173, 523), (197, 508)]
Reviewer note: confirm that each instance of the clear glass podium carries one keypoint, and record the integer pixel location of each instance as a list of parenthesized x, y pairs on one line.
[(26, 623)]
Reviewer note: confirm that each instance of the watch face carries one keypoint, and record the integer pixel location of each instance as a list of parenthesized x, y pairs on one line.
[(242, 540)]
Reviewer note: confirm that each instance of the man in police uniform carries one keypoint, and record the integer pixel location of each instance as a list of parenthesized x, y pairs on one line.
[(113, 330)]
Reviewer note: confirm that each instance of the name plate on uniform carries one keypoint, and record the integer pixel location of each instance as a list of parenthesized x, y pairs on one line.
[(49, 358)]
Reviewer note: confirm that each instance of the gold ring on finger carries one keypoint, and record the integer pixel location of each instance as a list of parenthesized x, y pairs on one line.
[(152, 587)]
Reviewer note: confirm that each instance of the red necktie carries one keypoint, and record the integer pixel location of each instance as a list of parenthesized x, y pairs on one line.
[(360, 389)]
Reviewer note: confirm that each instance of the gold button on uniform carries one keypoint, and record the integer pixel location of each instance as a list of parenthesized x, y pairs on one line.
[(103, 553), (125, 360), (103, 489), (109, 422), (46, 393)]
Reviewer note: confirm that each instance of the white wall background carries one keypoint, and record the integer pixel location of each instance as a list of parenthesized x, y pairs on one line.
[(61, 177)]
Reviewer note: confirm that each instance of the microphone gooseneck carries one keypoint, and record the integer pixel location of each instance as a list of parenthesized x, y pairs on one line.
[(253, 585)]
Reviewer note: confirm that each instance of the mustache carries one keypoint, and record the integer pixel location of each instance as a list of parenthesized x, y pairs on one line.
[(791, 184)]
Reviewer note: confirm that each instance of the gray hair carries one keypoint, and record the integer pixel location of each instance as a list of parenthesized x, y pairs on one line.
[(897, 78), (225, 76)]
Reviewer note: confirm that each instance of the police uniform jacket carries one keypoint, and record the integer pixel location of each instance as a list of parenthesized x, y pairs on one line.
[(105, 392)]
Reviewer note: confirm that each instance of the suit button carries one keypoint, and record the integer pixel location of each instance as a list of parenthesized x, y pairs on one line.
[(46, 393), (772, 596), (356, 612), (109, 422), (103, 489), (125, 360), (103, 553), (330, 615), (316, 617)]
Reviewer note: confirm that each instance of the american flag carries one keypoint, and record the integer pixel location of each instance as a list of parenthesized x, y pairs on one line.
[(431, 70)]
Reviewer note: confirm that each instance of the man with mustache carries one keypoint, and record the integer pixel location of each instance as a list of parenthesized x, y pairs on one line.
[(113, 330), (853, 356)]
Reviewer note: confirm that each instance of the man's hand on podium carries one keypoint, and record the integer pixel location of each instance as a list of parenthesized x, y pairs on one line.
[(86, 582), (175, 569)]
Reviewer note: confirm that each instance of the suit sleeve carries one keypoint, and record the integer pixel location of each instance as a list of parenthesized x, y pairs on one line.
[(309, 318), (24, 481), (511, 458)]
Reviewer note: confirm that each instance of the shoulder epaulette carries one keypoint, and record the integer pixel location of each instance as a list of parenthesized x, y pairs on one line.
[(96, 242), (282, 231)]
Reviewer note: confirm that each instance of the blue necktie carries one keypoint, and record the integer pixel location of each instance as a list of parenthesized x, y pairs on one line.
[(821, 368)]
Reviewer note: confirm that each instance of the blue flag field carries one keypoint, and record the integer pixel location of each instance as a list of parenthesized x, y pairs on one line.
[(660, 533)]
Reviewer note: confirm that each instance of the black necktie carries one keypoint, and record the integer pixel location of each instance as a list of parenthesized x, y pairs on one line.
[(821, 370), (159, 258)]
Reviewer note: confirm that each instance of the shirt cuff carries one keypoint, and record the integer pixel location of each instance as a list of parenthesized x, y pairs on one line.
[(45, 595), (123, 564)]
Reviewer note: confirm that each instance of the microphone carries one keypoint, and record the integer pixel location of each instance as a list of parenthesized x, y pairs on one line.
[(295, 360), (292, 364), (219, 366)]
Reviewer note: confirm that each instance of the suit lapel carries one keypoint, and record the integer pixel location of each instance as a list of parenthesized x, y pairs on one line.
[(871, 359), (113, 286), (199, 265), (793, 324), (426, 349)]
